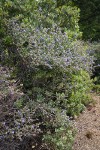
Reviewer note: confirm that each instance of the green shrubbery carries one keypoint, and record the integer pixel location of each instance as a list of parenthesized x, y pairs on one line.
[(54, 69), (95, 51), (47, 127), (80, 95)]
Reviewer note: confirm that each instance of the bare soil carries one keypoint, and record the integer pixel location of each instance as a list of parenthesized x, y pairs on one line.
[(88, 127)]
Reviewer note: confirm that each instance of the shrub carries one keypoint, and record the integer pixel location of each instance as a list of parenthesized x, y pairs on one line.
[(80, 96), (36, 14), (54, 70), (95, 51), (50, 65), (44, 127)]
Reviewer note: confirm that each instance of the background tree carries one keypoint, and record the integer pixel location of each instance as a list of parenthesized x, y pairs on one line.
[(89, 18)]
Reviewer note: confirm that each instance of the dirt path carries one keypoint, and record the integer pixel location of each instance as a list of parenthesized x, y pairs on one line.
[(88, 125)]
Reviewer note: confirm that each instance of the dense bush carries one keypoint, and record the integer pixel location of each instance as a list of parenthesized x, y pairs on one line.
[(54, 71), (53, 67), (95, 51), (38, 126), (44, 55), (34, 13), (80, 95)]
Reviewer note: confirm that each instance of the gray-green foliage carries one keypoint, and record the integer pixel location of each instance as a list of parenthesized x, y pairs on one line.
[(51, 64), (43, 126)]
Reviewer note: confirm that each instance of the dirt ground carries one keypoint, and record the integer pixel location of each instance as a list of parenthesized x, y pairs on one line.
[(88, 127)]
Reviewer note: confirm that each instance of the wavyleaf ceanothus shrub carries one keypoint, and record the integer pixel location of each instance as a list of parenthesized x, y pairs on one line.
[(47, 61)]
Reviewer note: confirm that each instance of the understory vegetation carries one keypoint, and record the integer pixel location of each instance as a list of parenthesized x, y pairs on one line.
[(43, 47)]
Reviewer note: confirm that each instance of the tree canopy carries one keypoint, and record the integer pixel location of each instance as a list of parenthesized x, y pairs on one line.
[(89, 18)]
